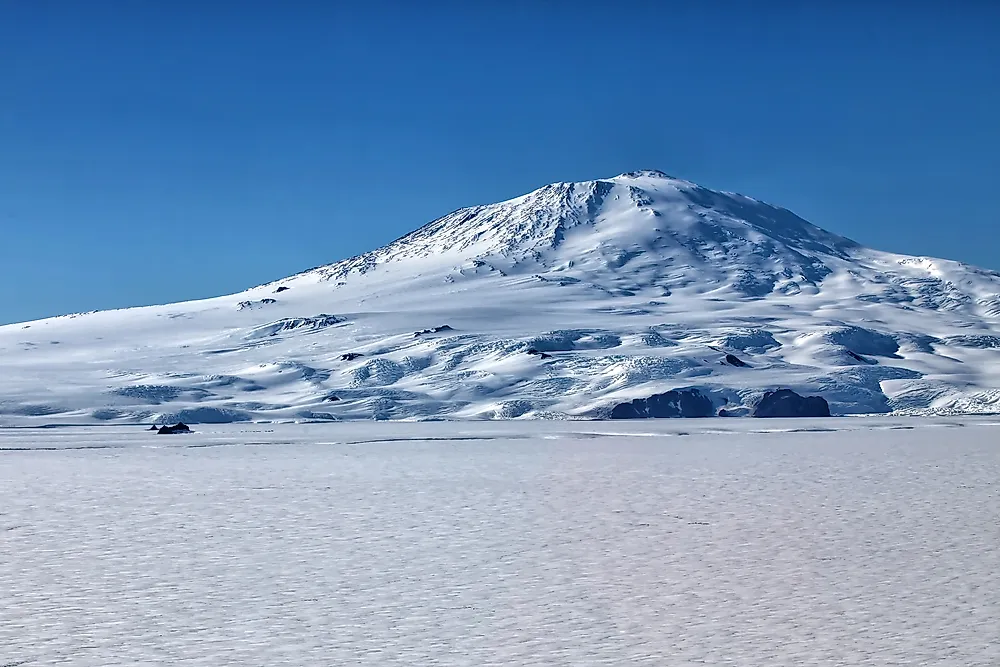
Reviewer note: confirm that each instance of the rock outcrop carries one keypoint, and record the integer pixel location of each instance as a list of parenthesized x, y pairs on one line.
[(733, 360), (786, 403), (432, 330), (179, 427), (674, 403)]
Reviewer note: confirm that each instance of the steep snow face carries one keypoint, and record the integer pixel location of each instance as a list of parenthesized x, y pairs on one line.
[(638, 232), (562, 303)]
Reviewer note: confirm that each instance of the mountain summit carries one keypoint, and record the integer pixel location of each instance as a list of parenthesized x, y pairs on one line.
[(564, 302), (644, 227)]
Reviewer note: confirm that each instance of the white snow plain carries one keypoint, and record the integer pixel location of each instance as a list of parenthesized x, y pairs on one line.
[(862, 541), (632, 285)]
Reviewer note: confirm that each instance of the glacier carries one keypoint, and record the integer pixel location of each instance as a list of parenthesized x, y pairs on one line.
[(559, 304)]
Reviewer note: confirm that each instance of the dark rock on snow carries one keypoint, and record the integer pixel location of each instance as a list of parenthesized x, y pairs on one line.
[(331, 398), (443, 327), (786, 403), (179, 427), (281, 289), (539, 354), (266, 301), (733, 360), (674, 403), (350, 356)]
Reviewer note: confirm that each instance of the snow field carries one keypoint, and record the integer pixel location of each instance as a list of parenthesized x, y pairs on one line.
[(684, 542)]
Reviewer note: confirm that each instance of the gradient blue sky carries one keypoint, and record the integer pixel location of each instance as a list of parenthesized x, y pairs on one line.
[(160, 151)]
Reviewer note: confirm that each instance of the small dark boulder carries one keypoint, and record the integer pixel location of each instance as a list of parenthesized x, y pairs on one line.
[(179, 427), (539, 353), (350, 356), (674, 403), (268, 301), (786, 403), (733, 360), (281, 289), (332, 398)]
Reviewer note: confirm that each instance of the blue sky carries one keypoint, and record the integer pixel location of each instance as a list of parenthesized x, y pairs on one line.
[(160, 151)]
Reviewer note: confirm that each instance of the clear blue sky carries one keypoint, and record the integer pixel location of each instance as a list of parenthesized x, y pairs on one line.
[(160, 151)]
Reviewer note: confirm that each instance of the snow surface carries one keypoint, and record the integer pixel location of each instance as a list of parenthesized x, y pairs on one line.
[(670, 542), (634, 285)]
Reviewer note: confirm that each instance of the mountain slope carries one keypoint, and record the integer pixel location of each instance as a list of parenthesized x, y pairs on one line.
[(560, 303)]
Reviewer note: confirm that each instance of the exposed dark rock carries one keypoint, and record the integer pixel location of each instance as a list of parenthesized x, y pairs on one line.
[(674, 403), (266, 301), (281, 289), (786, 403), (154, 427), (179, 427), (733, 360), (539, 353), (350, 356), (422, 332), (285, 325), (332, 398), (242, 305)]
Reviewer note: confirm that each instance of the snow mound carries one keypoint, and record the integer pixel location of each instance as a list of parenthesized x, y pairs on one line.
[(748, 340), (566, 341), (864, 341)]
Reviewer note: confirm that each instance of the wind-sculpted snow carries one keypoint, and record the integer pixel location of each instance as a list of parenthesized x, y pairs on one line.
[(566, 341), (748, 340), (980, 341), (558, 304), (709, 542), (294, 323), (864, 341), (203, 416)]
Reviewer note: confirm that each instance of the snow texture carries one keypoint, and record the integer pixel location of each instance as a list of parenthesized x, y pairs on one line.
[(677, 542)]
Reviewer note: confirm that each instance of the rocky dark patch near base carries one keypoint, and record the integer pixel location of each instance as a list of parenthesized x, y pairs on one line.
[(179, 427), (787, 403), (676, 403)]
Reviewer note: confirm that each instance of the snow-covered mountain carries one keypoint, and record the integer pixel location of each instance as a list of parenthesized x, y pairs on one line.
[(561, 303)]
